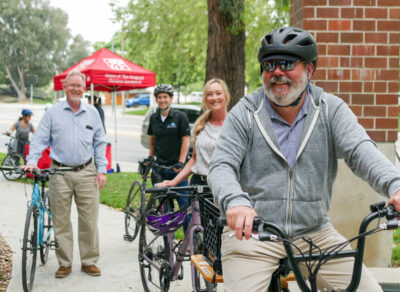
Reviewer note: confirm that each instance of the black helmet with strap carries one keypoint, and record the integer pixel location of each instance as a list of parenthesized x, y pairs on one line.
[(163, 88), (289, 42)]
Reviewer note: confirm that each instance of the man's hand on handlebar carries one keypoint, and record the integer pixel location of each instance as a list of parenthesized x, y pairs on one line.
[(240, 219), (395, 201), (165, 183), (29, 167)]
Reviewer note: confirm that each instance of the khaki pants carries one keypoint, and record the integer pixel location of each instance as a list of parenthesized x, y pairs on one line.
[(248, 264), (82, 186)]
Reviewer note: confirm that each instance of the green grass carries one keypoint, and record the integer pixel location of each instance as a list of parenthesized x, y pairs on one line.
[(42, 101), (115, 192), (140, 112), (396, 248)]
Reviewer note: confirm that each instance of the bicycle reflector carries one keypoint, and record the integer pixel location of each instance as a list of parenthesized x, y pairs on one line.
[(166, 223)]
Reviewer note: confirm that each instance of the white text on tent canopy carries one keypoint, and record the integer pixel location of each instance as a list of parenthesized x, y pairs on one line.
[(124, 79), (84, 64), (116, 64)]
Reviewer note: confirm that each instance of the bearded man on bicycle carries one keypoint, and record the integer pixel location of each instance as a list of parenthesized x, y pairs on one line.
[(277, 157)]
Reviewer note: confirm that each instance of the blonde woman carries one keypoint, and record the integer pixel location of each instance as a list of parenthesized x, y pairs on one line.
[(206, 130)]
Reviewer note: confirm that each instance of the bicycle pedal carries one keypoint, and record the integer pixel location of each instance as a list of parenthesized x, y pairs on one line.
[(54, 245), (128, 237)]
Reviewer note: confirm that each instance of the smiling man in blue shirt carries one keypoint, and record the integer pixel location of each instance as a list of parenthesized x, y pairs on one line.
[(75, 134)]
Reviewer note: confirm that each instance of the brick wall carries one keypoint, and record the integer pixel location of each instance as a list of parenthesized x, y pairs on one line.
[(358, 45)]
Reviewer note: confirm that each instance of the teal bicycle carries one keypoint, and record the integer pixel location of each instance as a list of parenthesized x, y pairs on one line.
[(38, 230)]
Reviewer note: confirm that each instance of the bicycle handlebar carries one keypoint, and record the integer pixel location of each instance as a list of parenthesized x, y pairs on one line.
[(37, 171), (266, 231), (194, 188)]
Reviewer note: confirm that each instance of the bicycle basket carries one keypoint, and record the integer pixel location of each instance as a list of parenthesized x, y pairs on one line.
[(166, 223), (211, 233)]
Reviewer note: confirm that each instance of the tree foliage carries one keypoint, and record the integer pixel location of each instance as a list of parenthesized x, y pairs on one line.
[(169, 37), (33, 38)]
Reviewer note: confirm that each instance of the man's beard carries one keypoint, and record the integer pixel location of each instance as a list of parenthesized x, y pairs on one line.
[(291, 96)]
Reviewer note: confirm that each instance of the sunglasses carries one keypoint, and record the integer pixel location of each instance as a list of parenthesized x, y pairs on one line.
[(270, 65)]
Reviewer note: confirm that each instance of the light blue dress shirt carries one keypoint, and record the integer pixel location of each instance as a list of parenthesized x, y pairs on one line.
[(288, 135), (73, 138)]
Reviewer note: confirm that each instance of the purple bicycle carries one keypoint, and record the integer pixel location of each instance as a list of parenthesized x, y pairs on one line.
[(160, 255)]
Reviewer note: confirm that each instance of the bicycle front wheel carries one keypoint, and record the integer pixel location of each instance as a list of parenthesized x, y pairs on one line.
[(14, 160), (47, 225), (29, 248), (154, 252), (133, 210)]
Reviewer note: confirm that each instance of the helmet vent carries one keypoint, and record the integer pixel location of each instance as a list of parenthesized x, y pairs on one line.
[(306, 43), (268, 39), (289, 38)]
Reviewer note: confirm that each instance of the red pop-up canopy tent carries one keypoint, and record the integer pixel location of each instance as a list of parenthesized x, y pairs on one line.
[(107, 71)]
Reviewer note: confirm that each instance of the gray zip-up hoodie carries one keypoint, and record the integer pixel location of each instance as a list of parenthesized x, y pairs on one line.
[(249, 169)]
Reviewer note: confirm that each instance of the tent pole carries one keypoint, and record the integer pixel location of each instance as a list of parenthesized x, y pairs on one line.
[(91, 93), (115, 128)]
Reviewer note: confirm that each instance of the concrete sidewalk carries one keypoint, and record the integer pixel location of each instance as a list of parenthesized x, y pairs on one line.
[(118, 261)]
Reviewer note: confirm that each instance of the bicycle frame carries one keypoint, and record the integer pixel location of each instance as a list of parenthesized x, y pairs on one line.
[(194, 225), (37, 199)]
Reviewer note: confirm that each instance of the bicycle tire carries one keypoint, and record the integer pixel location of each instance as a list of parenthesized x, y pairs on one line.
[(47, 225), (14, 160), (200, 283), (158, 252), (133, 210), (29, 248)]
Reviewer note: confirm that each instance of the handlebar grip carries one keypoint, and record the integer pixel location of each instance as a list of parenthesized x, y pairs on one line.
[(156, 190)]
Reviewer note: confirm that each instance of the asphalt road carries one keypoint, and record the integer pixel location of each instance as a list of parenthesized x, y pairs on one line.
[(129, 150)]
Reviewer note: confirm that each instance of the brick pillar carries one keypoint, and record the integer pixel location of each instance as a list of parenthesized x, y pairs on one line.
[(358, 45)]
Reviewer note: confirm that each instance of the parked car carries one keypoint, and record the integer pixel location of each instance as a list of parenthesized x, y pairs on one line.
[(192, 112), (142, 99)]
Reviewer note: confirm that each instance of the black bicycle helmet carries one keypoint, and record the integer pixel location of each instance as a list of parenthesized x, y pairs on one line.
[(163, 88), (290, 43)]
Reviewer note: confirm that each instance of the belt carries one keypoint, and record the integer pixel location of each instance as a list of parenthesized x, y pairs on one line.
[(75, 168), (202, 177)]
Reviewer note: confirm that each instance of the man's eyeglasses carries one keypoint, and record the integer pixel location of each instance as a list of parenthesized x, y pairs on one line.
[(270, 65)]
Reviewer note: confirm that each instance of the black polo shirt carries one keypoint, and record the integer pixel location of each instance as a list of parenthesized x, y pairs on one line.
[(168, 135)]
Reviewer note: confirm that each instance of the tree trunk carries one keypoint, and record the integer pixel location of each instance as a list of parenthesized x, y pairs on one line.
[(225, 50), (20, 90)]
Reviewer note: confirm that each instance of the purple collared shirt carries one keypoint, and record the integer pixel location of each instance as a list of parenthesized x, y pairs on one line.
[(288, 135)]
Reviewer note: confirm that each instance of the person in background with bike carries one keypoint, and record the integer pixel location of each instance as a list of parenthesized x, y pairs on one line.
[(75, 134), (22, 128), (276, 158), (206, 130), (169, 132)]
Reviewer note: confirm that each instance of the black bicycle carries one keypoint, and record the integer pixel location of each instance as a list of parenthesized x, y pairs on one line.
[(266, 231), (13, 159), (136, 201)]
